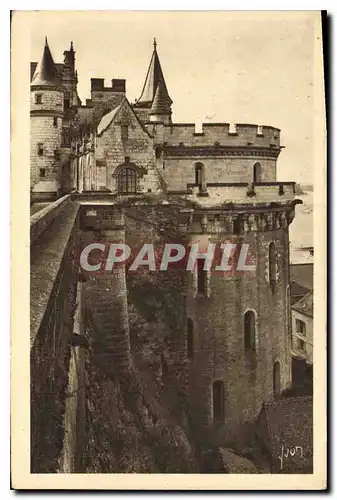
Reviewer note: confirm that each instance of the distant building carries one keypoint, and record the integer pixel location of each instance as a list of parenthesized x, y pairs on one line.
[(302, 327), (301, 280), (301, 291)]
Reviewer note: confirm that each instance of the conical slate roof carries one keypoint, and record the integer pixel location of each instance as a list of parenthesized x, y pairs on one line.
[(153, 77), (161, 103), (45, 73)]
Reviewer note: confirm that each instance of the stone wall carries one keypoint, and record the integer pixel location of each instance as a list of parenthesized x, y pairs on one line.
[(40, 221), (178, 172), (75, 405), (135, 410), (242, 193), (43, 131), (223, 133), (112, 149), (157, 299), (54, 266), (103, 102), (218, 319)]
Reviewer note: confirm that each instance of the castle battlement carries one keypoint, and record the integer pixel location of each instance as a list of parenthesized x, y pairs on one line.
[(225, 134), (117, 85)]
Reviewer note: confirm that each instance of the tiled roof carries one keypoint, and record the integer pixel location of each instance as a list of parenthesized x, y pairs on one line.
[(161, 103), (297, 291), (305, 305), (45, 73), (107, 119), (58, 66), (302, 274)]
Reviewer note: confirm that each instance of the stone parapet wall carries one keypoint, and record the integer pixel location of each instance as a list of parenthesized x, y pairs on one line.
[(53, 281), (224, 133), (40, 221)]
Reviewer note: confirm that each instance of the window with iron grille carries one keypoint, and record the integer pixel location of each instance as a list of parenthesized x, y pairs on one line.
[(127, 180)]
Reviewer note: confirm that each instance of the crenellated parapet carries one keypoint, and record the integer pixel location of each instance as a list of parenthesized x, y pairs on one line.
[(221, 134)]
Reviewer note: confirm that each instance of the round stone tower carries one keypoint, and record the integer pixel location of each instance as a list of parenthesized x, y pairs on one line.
[(46, 116), (238, 335)]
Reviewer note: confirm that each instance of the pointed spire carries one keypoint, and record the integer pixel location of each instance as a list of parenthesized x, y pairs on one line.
[(45, 73), (161, 104), (71, 47), (153, 77)]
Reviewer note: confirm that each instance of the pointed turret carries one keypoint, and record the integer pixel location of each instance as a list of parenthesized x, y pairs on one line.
[(161, 105), (45, 74), (46, 127), (154, 76)]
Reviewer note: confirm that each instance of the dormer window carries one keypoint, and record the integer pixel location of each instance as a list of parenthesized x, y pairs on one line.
[(38, 98)]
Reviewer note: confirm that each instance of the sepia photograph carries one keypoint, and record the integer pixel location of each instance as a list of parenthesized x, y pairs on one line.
[(171, 324)]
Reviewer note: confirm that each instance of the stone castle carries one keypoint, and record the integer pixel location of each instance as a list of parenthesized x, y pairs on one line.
[(90, 161)]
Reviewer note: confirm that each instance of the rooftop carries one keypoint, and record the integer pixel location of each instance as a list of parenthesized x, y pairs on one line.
[(302, 274), (305, 305), (154, 76), (45, 73)]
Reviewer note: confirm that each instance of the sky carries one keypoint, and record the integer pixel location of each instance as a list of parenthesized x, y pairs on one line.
[(243, 67)]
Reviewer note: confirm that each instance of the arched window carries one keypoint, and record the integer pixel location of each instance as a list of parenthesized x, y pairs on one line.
[(257, 174), (250, 331), (190, 338), (201, 276), (272, 265), (127, 180), (218, 395), (199, 170), (276, 379)]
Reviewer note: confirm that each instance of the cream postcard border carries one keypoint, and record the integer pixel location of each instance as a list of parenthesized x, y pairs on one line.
[(20, 321)]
